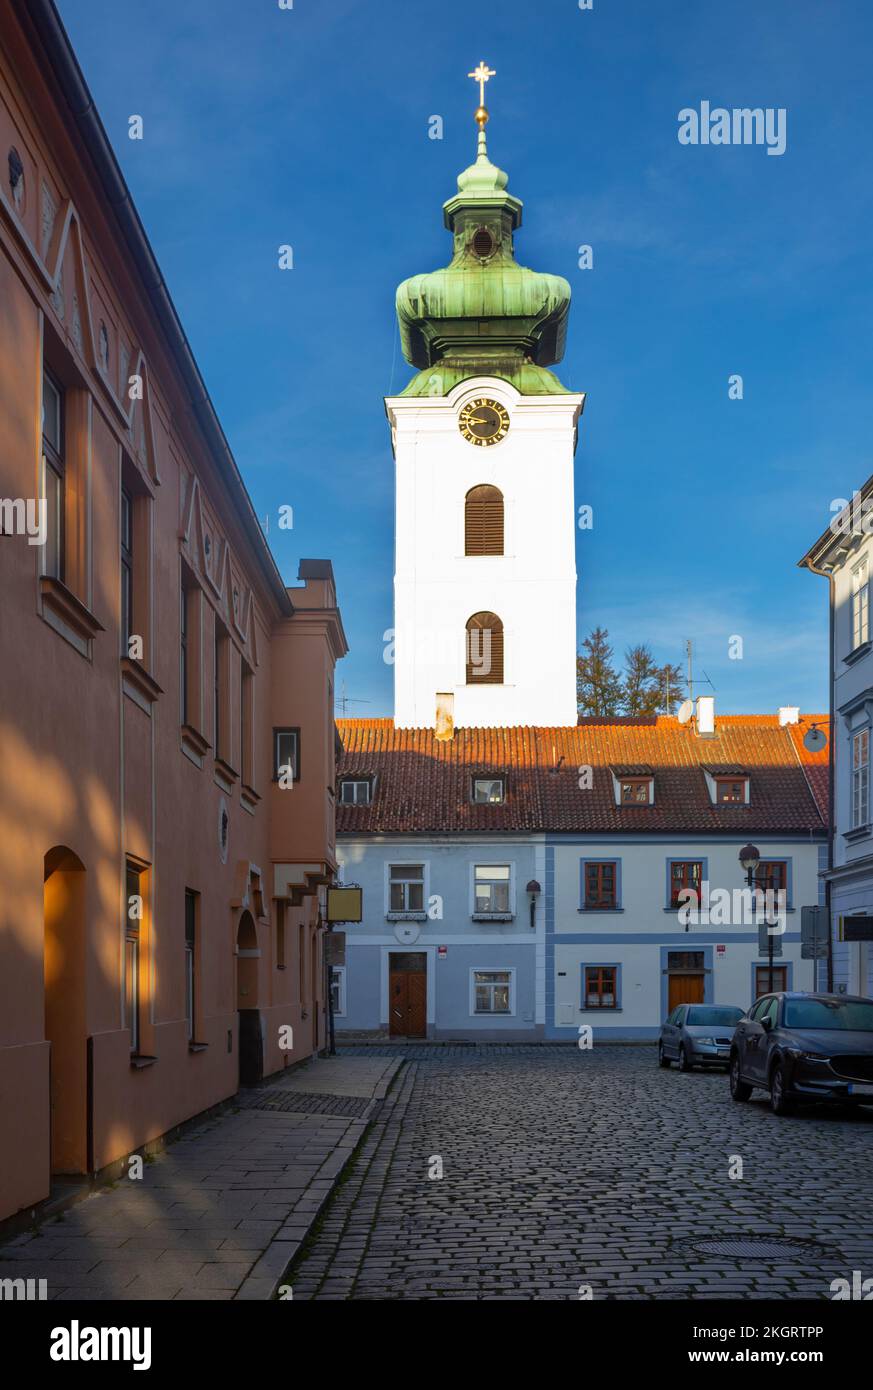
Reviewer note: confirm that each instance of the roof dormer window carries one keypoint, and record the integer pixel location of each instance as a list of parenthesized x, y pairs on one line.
[(634, 786), (731, 791), (489, 791), (356, 791), (636, 791), (727, 786)]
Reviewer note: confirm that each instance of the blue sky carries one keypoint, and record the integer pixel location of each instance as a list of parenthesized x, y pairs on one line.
[(310, 127)]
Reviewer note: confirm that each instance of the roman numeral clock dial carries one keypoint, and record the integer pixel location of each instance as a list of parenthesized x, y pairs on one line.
[(483, 422)]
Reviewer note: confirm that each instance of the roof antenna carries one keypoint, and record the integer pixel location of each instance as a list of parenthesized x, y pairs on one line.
[(689, 647), (345, 700)]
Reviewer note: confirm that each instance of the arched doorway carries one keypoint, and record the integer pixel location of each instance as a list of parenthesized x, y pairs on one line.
[(64, 957), (251, 1042)]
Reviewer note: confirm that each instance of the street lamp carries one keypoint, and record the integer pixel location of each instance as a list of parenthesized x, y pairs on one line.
[(750, 858), (534, 889)]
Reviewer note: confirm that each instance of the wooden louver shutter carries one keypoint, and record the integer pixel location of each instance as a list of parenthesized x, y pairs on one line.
[(484, 650), (483, 521)]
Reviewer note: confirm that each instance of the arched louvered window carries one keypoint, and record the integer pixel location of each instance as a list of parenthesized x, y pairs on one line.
[(484, 649), (483, 521)]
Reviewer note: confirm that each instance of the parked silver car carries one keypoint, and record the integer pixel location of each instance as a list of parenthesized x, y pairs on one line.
[(698, 1035)]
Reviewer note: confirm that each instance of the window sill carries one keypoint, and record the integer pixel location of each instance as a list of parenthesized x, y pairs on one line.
[(857, 653), (224, 775), (492, 916), (194, 741), (66, 613), (136, 682), (586, 911), (248, 796), (600, 1009), (197, 1046), (139, 1061), (405, 916), (860, 832)]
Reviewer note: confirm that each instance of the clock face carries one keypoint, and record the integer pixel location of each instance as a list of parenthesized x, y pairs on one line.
[(483, 421)]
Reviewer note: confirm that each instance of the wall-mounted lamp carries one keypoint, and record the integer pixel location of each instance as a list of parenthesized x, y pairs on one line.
[(534, 889)]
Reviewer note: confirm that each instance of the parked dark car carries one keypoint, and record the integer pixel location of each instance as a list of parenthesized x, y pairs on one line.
[(805, 1047), (698, 1034)]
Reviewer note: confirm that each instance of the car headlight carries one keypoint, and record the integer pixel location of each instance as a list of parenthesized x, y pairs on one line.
[(807, 1056), (710, 1041)]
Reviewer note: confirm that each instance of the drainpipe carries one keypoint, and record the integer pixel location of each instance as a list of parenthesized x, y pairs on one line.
[(829, 576)]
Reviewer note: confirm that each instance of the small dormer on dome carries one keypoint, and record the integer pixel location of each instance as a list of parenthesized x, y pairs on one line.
[(483, 314)]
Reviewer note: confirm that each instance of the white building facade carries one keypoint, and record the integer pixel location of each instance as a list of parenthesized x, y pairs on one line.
[(844, 556)]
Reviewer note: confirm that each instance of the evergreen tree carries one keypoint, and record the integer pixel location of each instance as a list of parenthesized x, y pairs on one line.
[(645, 689), (670, 688), (598, 684), (641, 692)]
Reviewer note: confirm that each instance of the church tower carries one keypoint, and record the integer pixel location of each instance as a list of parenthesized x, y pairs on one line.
[(484, 438)]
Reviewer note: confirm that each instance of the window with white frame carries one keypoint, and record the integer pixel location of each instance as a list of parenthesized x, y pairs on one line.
[(492, 991), (489, 791), (491, 888), (286, 754), (406, 888), (355, 791), (338, 990), (860, 604), (860, 778)]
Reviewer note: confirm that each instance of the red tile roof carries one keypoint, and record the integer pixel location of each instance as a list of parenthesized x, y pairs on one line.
[(423, 785)]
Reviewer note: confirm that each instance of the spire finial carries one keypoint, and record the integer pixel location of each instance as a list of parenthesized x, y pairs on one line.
[(481, 74)]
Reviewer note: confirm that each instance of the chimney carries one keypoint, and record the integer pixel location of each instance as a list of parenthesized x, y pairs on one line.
[(706, 716), (788, 714), (444, 731)]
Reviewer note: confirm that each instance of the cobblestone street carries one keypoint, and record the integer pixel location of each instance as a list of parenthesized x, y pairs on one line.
[(564, 1169)]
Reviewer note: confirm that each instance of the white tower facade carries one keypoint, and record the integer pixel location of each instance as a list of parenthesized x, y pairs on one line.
[(526, 577)]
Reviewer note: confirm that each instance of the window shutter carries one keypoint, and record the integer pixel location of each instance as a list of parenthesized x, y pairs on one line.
[(484, 655), (483, 521)]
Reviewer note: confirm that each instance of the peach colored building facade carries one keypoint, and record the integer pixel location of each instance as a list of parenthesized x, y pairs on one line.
[(167, 740)]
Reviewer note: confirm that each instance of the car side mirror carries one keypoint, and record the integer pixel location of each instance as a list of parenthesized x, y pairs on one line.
[(767, 1023)]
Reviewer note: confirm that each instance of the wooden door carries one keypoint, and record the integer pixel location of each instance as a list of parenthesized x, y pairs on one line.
[(407, 1003), (684, 989)]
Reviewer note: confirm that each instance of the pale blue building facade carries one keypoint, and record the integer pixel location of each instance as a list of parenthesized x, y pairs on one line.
[(455, 913)]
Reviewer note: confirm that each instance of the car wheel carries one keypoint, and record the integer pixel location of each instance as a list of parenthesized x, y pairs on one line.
[(684, 1063), (662, 1060), (739, 1089), (780, 1101)]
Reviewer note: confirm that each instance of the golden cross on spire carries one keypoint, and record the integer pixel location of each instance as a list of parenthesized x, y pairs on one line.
[(481, 74)]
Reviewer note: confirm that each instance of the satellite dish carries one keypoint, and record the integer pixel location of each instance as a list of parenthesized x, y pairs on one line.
[(686, 709), (815, 739)]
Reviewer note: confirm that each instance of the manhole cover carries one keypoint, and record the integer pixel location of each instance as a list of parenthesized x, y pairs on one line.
[(756, 1247)]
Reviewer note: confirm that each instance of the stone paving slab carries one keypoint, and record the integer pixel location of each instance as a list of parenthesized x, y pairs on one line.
[(344, 1075), (220, 1213)]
